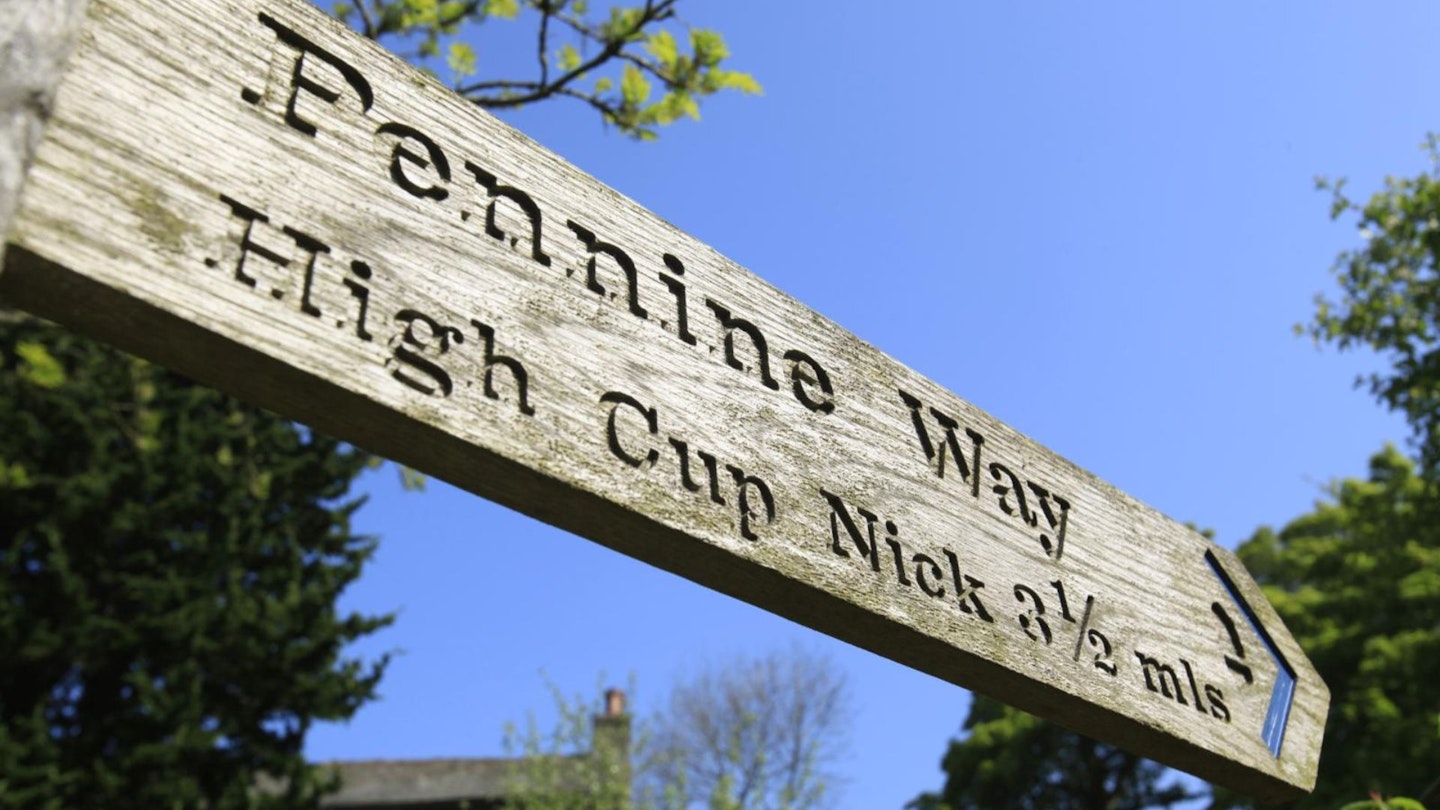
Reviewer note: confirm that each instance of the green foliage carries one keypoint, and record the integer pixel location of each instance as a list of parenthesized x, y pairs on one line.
[(169, 563), (1377, 803), (1357, 581), (1014, 760), (1390, 299), (627, 64), (750, 734), (584, 762)]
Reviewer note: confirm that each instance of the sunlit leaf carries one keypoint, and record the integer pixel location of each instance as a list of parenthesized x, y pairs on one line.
[(461, 59), (569, 57), (661, 45), (708, 46), (634, 87), (736, 80), (39, 367), (504, 9)]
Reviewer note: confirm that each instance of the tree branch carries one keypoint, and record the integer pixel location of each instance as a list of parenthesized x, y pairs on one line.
[(614, 46), (545, 15), (650, 68), (367, 24), (463, 12)]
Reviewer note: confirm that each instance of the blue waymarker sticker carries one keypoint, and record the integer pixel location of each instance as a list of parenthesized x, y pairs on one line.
[(1277, 716)]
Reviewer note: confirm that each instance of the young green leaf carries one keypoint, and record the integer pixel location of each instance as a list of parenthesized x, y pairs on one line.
[(634, 87), (661, 45), (569, 57), (39, 368), (461, 59), (504, 9), (709, 47), (735, 80)]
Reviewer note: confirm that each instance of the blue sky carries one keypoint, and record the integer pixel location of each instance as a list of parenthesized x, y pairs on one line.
[(1098, 223)]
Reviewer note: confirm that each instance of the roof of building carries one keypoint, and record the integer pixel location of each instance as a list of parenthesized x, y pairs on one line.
[(478, 783), (383, 783)]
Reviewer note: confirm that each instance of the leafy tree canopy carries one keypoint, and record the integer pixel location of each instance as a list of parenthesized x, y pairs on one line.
[(1390, 299), (170, 563), (1357, 581), (171, 557), (1012, 759), (748, 733), (634, 65)]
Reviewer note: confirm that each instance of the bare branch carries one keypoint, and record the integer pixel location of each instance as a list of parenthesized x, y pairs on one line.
[(614, 46), (461, 13), (367, 24), (649, 67), (545, 15), (761, 732)]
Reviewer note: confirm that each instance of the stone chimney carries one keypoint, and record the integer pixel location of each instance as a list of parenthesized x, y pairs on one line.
[(614, 703), (610, 750)]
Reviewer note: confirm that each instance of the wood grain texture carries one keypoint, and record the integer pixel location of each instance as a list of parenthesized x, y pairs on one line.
[(250, 194), (35, 40)]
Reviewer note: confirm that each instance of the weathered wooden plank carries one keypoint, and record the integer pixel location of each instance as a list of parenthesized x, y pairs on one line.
[(251, 194), (35, 40)]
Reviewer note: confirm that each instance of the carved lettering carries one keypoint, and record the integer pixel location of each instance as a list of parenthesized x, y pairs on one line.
[(423, 334), (597, 248), (1165, 681), (302, 81), (493, 361), (897, 552), (499, 191), (967, 590), (402, 155), (1009, 487), (677, 289), (730, 325), (946, 452), (1033, 619), (1194, 689), (805, 375), (950, 444), (1236, 663), (928, 573), (923, 563), (1104, 658), (1218, 709), (612, 435), (1053, 547), (840, 516), (754, 499), (744, 484), (309, 246), (360, 293), (712, 469), (1059, 587), (267, 265)]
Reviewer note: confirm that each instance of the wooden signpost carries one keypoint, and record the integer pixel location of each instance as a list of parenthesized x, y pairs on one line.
[(249, 193)]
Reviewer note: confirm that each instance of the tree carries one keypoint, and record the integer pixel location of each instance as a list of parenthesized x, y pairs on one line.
[(1357, 581), (611, 63), (170, 565), (1009, 758), (584, 763), (1013, 759), (1389, 302), (1390, 299), (749, 734), (755, 733), (168, 630)]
